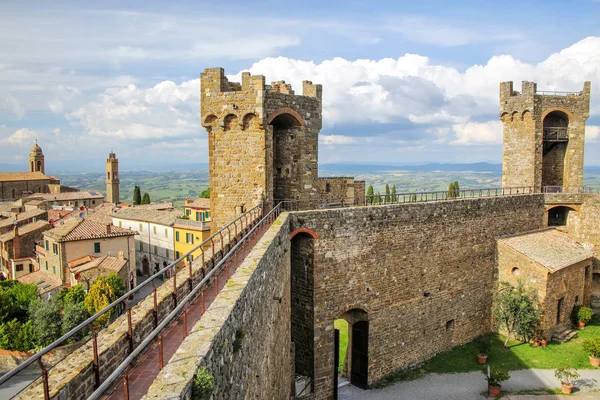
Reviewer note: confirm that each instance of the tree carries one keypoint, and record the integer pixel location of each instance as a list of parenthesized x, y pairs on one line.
[(46, 320), (370, 194), (205, 194), (137, 196), (387, 193), (146, 198), (16, 336), (115, 282), (516, 310), (73, 295), (73, 315), (394, 197), (6, 306), (21, 295), (99, 296)]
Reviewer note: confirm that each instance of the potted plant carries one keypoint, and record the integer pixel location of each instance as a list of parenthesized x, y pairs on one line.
[(544, 341), (592, 347), (584, 315), (566, 377), (495, 376), (537, 338), (484, 346)]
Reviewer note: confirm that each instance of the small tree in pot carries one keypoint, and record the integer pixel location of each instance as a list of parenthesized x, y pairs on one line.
[(566, 377), (592, 347), (495, 376), (484, 346), (584, 315)]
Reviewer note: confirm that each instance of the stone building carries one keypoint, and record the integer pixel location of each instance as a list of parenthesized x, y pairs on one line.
[(558, 267), (18, 244), (89, 199), (262, 143), (544, 135), (112, 178)]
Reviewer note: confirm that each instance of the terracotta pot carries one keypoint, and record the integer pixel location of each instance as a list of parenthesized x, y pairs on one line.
[(494, 390), (567, 388), (544, 342), (594, 361), (581, 324), (481, 358), (536, 344)]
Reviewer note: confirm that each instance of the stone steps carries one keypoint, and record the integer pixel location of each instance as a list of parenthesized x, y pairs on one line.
[(564, 335)]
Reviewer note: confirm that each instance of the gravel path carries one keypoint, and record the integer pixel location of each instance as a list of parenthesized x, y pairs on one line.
[(470, 385)]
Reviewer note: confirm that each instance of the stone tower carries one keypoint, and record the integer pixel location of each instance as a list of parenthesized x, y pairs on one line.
[(262, 142), (112, 178), (36, 159), (544, 136)]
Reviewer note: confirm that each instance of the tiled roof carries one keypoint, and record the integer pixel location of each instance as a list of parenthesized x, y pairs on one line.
[(44, 280), (107, 263), (550, 248), (199, 203), (23, 216), (22, 176), (81, 229), (166, 218), (56, 215), (66, 196), (156, 206), (24, 230), (103, 213), (79, 261)]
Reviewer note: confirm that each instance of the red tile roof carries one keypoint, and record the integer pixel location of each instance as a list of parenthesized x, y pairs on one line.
[(81, 229), (22, 176)]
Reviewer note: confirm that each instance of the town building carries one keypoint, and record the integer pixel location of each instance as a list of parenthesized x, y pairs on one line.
[(17, 245), (188, 235), (86, 270), (20, 219), (75, 238), (154, 236), (197, 210), (89, 199)]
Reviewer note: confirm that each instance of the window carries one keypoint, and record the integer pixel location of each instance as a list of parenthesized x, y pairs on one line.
[(54, 270), (54, 248), (120, 224), (187, 212), (19, 267), (46, 265), (197, 215), (328, 188), (155, 250), (93, 201), (450, 325), (97, 247), (76, 204), (177, 255), (206, 215), (177, 236), (154, 229), (47, 246), (141, 227), (141, 246), (166, 232)]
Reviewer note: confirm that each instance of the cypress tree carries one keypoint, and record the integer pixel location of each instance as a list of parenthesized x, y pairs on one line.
[(394, 197), (387, 193), (370, 194), (146, 198), (456, 189), (137, 196)]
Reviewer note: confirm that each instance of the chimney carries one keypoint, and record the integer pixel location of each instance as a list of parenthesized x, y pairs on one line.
[(17, 243), (109, 228)]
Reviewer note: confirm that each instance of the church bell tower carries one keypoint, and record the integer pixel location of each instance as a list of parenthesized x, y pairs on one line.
[(36, 159), (112, 178)]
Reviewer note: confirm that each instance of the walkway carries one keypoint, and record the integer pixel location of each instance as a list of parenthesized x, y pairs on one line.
[(146, 368), (472, 385)]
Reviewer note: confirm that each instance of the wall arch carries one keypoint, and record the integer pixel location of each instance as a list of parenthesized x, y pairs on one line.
[(248, 121), (562, 109), (290, 112), (308, 231), (514, 116), (230, 122), (526, 115)]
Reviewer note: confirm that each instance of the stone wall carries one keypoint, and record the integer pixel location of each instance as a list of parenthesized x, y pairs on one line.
[(422, 272), (21, 187), (255, 302)]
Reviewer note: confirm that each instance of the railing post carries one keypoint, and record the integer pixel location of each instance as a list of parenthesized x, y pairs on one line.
[(226, 270), (126, 384), (174, 288), (160, 352), (216, 283), (155, 304), (221, 234), (191, 276), (212, 242), (96, 366), (184, 322), (129, 327), (44, 379), (202, 301)]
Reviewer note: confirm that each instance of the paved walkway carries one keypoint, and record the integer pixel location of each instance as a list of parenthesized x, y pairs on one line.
[(471, 385), (146, 368)]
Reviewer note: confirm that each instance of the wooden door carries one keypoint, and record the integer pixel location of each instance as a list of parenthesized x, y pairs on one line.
[(360, 354)]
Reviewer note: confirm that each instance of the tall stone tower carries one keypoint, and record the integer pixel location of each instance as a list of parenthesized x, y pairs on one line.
[(544, 135), (112, 178), (36, 159), (262, 142)]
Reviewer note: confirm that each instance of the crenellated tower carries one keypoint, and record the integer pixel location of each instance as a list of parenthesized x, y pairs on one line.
[(112, 178), (544, 134), (262, 142)]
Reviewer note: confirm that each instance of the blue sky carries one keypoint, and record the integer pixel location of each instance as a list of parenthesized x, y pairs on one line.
[(404, 82)]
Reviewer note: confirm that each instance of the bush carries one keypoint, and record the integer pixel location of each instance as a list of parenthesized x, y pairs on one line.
[(16, 336), (115, 282), (592, 347), (585, 314), (575, 314), (99, 296), (566, 376), (495, 376), (22, 295), (73, 315), (203, 384), (484, 344), (46, 320)]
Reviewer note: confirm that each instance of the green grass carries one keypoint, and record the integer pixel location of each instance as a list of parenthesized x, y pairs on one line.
[(342, 326), (518, 355)]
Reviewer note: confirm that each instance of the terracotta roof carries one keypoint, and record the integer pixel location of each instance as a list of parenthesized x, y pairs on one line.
[(166, 218), (103, 213), (80, 261), (66, 196), (44, 280), (199, 203), (550, 248), (56, 215), (81, 229), (156, 206), (23, 216), (22, 176), (24, 230), (107, 263)]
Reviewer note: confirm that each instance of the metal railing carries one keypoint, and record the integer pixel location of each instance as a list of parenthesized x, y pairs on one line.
[(180, 310), (556, 134), (557, 93), (237, 226), (569, 189)]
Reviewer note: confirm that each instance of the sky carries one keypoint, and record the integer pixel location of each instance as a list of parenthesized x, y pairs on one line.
[(403, 81)]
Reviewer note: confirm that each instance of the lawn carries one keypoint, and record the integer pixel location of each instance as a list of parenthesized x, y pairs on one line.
[(518, 355), (342, 326)]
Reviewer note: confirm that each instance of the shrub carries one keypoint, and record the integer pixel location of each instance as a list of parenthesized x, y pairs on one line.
[(73, 315), (239, 340), (115, 282), (585, 314), (75, 295), (484, 344), (22, 295), (99, 296), (566, 375), (495, 376), (592, 347), (203, 384), (16, 336), (45, 317)]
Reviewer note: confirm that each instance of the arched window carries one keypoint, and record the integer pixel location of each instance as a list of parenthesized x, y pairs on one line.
[(328, 188), (108, 175), (39, 166)]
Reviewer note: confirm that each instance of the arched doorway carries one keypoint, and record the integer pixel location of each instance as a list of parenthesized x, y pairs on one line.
[(145, 267), (355, 366), (287, 154), (556, 141), (559, 216)]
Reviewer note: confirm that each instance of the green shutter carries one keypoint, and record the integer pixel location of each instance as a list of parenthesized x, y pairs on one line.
[(177, 236)]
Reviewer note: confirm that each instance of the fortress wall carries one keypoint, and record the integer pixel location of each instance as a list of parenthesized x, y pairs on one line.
[(422, 272), (259, 366)]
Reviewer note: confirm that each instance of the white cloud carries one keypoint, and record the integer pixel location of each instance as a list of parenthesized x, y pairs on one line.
[(478, 133), (329, 140), (592, 133), (22, 136)]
